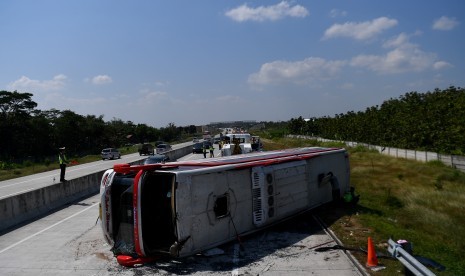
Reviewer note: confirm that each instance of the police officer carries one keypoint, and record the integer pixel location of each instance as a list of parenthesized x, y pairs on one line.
[(211, 151), (204, 149), (63, 162)]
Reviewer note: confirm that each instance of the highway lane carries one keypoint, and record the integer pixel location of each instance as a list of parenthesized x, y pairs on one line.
[(27, 183), (70, 242)]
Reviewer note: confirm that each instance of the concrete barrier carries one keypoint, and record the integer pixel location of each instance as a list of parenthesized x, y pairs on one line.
[(21, 208), (24, 207), (173, 155)]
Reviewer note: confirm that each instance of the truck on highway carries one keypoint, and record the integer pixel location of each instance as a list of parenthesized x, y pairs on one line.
[(178, 209), (145, 149), (237, 143), (206, 135)]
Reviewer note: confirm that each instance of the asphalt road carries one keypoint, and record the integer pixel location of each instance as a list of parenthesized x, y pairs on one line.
[(69, 242), (35, 181)]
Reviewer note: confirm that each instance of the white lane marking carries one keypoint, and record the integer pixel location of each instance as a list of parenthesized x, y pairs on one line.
[(51, 226)]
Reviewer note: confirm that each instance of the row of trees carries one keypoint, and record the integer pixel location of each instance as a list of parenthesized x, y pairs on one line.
[(26, 132), (432, 121)]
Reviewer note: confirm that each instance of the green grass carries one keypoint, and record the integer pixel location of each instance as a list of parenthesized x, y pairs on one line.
[(413, 206), (423, 203)]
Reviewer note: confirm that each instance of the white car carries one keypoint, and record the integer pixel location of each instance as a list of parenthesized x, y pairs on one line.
[(163, 148), (110, 153)]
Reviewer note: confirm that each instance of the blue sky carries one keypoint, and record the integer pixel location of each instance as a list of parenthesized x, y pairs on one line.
[(195, 62)]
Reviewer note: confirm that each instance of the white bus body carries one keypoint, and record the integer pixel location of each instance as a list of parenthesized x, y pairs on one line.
[(182, 208)]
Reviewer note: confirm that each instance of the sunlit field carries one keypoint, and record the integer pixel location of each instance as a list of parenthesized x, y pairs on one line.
[(423, 203)]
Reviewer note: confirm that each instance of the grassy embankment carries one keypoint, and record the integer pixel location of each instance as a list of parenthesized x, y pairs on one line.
[(423, 203)]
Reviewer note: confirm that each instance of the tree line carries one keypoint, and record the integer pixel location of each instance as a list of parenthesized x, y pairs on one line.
[(29, 133), (431, 121)]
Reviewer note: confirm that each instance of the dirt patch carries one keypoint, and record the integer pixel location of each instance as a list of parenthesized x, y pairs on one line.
[(103, 256)]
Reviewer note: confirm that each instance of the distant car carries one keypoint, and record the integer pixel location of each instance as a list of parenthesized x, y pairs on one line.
[(110, 153), (159, 142), (197, 148), (146, 149), (161, 148), (195, 140), (157, 158)]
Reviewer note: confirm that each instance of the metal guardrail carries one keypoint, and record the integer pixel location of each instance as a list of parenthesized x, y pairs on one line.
[(455, 161), (409, 261)]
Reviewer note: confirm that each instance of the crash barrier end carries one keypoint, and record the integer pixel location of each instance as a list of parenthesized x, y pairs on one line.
[(410, 262)]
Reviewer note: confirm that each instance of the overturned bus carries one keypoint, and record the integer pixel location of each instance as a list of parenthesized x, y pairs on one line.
[(181, 208)]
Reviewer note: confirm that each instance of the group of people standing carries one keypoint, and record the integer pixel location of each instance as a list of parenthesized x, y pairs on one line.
[(210, 148)]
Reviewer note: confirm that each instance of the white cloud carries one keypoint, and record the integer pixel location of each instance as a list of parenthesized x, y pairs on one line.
[(360, 31), (60, 101), (441, 64), (401, 39), (149, 97), (155, 95), (307, 71), (101, 79), (263, 13), (337, 13), (445, 23), (161, 83), (85, 102), (404, 57), (57, 82)]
